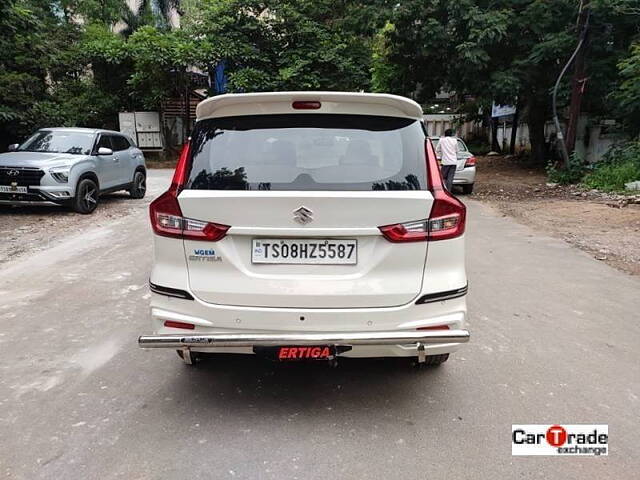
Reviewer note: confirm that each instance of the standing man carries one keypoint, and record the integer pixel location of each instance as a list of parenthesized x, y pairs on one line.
[(447, 149)]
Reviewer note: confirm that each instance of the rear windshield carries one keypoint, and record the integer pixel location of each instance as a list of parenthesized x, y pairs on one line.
[(308, 152)]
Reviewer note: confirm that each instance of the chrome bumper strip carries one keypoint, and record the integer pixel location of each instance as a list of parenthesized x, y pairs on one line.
[(302, 339)]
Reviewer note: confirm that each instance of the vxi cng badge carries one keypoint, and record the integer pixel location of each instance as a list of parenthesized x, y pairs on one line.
[(204, 255)]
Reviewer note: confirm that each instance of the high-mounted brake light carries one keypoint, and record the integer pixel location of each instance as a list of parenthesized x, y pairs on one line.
[(166, 215), (471, 161), (447, 217), (306, 105)]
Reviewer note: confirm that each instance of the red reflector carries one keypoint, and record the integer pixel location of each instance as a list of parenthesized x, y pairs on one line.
[(436, 327), (172, 324), (306, 105)]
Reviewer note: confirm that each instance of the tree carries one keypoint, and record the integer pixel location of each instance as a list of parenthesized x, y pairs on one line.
[(278, 45), (149, 12), (28, 27), (504, 50), (628, 93)]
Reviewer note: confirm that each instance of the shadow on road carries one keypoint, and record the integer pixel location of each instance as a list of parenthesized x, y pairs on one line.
[(236, 384)]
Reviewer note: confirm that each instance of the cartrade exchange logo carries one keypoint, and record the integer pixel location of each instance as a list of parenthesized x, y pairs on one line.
[(590, 440)]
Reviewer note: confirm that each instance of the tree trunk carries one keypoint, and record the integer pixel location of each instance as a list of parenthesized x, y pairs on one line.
[(536, 119), (514, 129), (495, 146), (578, 82)]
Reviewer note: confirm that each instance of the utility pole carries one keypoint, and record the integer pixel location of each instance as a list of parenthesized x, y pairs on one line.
[(579, 80)]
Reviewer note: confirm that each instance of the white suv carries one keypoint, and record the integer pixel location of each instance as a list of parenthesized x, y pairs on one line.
[(308, 225)]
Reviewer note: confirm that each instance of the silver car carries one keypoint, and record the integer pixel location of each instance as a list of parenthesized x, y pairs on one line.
[(465, 175), (71, 166)]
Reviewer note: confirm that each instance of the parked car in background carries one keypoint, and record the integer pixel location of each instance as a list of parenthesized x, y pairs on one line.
[(308, 226), (71, 166), (466, 170)]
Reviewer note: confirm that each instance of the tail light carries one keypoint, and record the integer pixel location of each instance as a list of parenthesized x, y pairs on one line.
[(447, 217), (166, 216), (471, 162)]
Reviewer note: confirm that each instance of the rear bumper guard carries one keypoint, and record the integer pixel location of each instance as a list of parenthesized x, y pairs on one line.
[(204, 340)]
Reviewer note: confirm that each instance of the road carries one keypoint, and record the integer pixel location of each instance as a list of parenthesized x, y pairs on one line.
[(555, 338)]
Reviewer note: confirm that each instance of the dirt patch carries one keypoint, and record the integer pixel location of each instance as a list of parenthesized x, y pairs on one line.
[(162, 159), (602, 225), (163, 164), (25, 230)]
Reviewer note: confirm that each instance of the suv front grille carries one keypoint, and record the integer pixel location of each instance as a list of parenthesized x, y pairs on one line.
[(23, 176)]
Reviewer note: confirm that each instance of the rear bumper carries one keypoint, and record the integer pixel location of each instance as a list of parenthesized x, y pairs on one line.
[(465, 176), (213, 340)]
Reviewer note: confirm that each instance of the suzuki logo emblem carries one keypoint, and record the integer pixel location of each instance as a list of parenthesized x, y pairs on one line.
[(13, 173), (303, 215)]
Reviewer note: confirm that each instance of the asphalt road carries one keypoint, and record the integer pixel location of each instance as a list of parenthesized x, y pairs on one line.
[(555, 337)]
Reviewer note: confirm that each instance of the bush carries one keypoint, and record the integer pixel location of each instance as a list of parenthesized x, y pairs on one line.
[(620, 165), (566, 176)]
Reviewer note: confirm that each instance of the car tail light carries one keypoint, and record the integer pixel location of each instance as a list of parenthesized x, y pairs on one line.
[(471, 161), (306, 105), (166, 215), (447, 217), (406, 232)]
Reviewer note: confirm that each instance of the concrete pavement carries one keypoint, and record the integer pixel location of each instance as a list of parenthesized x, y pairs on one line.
[(555, 338)]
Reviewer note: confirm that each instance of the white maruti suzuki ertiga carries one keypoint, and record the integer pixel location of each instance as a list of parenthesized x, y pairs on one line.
[(308, 226)]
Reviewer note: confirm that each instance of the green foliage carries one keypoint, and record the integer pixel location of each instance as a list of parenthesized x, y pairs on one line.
[(621, 165), (23, 64), (384, 74), (628, 93), (107, 12), (570, 175), (505, 50), (155, 54), (282, 45), (56, 69)]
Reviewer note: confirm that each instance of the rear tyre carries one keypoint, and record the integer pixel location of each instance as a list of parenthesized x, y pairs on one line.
[(87, 196), (431, 361), (467, 189), (139, 187)]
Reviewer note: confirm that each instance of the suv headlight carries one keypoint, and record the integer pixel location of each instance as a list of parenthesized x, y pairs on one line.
[(60, 174)]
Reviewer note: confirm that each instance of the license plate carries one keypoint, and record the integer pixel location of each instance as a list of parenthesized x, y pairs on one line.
[(12, 189), (305, 251)]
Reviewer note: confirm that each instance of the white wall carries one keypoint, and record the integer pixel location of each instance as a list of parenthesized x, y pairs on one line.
[(437, 123), (591, 142)]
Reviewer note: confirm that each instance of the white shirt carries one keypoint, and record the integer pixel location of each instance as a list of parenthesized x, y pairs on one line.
[(448, 150)]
